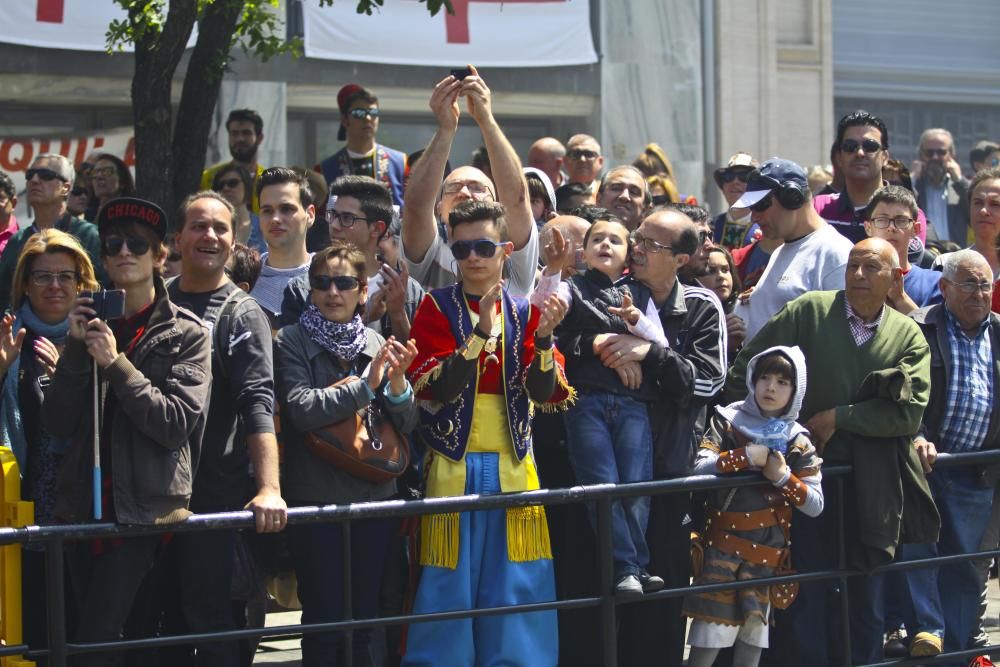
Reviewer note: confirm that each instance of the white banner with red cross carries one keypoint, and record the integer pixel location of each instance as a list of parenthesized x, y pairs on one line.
[(490, 33), (79, 25)]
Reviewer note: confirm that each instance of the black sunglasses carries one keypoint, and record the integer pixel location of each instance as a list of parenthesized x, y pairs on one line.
[(76, 192), (361, 113), (44, 174), (762, 205), (741, 175), (582, 154), (869, 146), (112, 245), (229, 183), (342, 283), (482, 247)]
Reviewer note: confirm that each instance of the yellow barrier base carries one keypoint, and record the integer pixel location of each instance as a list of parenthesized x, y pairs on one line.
[(15, 513)]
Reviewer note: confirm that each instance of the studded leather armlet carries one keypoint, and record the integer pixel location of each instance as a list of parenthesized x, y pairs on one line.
[(732, 460), (794, 491)]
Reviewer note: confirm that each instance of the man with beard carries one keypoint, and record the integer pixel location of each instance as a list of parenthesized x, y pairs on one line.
[(246, 131), (941, 189), (862, 150)]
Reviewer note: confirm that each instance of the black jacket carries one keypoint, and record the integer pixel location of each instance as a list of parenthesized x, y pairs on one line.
[(688, 374), (162, 390)]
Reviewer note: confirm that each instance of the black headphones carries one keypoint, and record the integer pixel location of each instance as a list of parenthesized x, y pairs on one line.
[(789, 194)]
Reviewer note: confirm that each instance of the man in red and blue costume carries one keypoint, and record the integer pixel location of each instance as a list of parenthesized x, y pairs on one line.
[(486, 361)]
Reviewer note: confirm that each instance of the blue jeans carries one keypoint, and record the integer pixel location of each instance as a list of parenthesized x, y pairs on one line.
[(946, 599), (610, 441), (317, 552)]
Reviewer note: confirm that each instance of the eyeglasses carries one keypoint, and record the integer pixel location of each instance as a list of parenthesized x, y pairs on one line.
[(483, 248), (935, 152), (229, 183), (741, 175), (112, 245), (360, 114), (104, 172), (649, 245), (344, 219), (582, 154), (971, 287), (476, 189), (869, 146), (342, 283), (762, 205), (900, 222), (44, 174), (61, 278), (704, 236), (78, 191)]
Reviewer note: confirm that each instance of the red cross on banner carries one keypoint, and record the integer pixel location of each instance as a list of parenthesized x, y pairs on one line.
[(50, 11), (457, 24)]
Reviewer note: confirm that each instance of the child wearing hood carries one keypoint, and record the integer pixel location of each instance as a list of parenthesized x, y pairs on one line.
[(746, 531)]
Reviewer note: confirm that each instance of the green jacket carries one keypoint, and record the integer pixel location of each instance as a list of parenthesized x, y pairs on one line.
[(874, 429), (84, 231)]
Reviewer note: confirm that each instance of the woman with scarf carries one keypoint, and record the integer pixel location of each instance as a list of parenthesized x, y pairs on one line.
[(329, 344), (485, 358), (53, 268), (747, 528)]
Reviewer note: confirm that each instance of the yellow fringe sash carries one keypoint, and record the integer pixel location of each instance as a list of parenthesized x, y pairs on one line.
[(527, 528)]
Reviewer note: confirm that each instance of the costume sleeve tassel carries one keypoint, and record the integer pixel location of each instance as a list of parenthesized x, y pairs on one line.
[(439, 540), (560, 406), (527, 534), (428, 377)]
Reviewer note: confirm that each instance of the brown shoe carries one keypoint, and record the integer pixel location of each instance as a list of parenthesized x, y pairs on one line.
[(925, 645)]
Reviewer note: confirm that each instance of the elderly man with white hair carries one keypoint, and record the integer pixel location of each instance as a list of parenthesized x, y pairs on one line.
[(962, 416)]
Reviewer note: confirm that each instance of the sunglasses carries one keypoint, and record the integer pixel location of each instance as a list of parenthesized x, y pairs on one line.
[(741, 175), (77, 192), (935, 152), (762, 205), (869, 146), (229, 183), (44, 174), (580, 154), (112, 245), (342, 283), (361, 113), (484, 248)]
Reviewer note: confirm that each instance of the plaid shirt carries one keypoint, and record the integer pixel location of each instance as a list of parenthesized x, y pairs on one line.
[(861, 330), (970, 389)]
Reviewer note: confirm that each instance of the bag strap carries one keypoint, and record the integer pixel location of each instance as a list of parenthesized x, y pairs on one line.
[(220, 331)]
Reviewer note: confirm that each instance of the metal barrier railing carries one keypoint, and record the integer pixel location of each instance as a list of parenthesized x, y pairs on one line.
[(55, 537)]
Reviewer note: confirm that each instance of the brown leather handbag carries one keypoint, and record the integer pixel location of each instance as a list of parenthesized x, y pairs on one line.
[(366, 445)]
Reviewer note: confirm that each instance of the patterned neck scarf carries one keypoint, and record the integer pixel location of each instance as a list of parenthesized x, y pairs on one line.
[(344, 340)]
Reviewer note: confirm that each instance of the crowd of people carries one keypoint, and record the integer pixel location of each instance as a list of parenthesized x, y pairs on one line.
[(384, 326)]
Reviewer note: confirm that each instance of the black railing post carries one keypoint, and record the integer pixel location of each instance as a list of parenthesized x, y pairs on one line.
[(845, 603), (609, 620), (55, 593), (348, 615)]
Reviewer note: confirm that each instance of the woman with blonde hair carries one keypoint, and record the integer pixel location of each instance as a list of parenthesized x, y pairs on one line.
[(52, 269)]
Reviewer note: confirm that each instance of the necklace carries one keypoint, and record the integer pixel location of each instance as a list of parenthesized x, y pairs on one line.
[(491, 343)]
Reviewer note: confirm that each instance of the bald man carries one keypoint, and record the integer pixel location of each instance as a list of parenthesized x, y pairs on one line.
[(690, 373), (573, 229), (547, 154), (428, 200), (848, 335)]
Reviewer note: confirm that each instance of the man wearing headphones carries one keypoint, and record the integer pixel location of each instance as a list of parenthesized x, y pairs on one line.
[(813, 254)]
